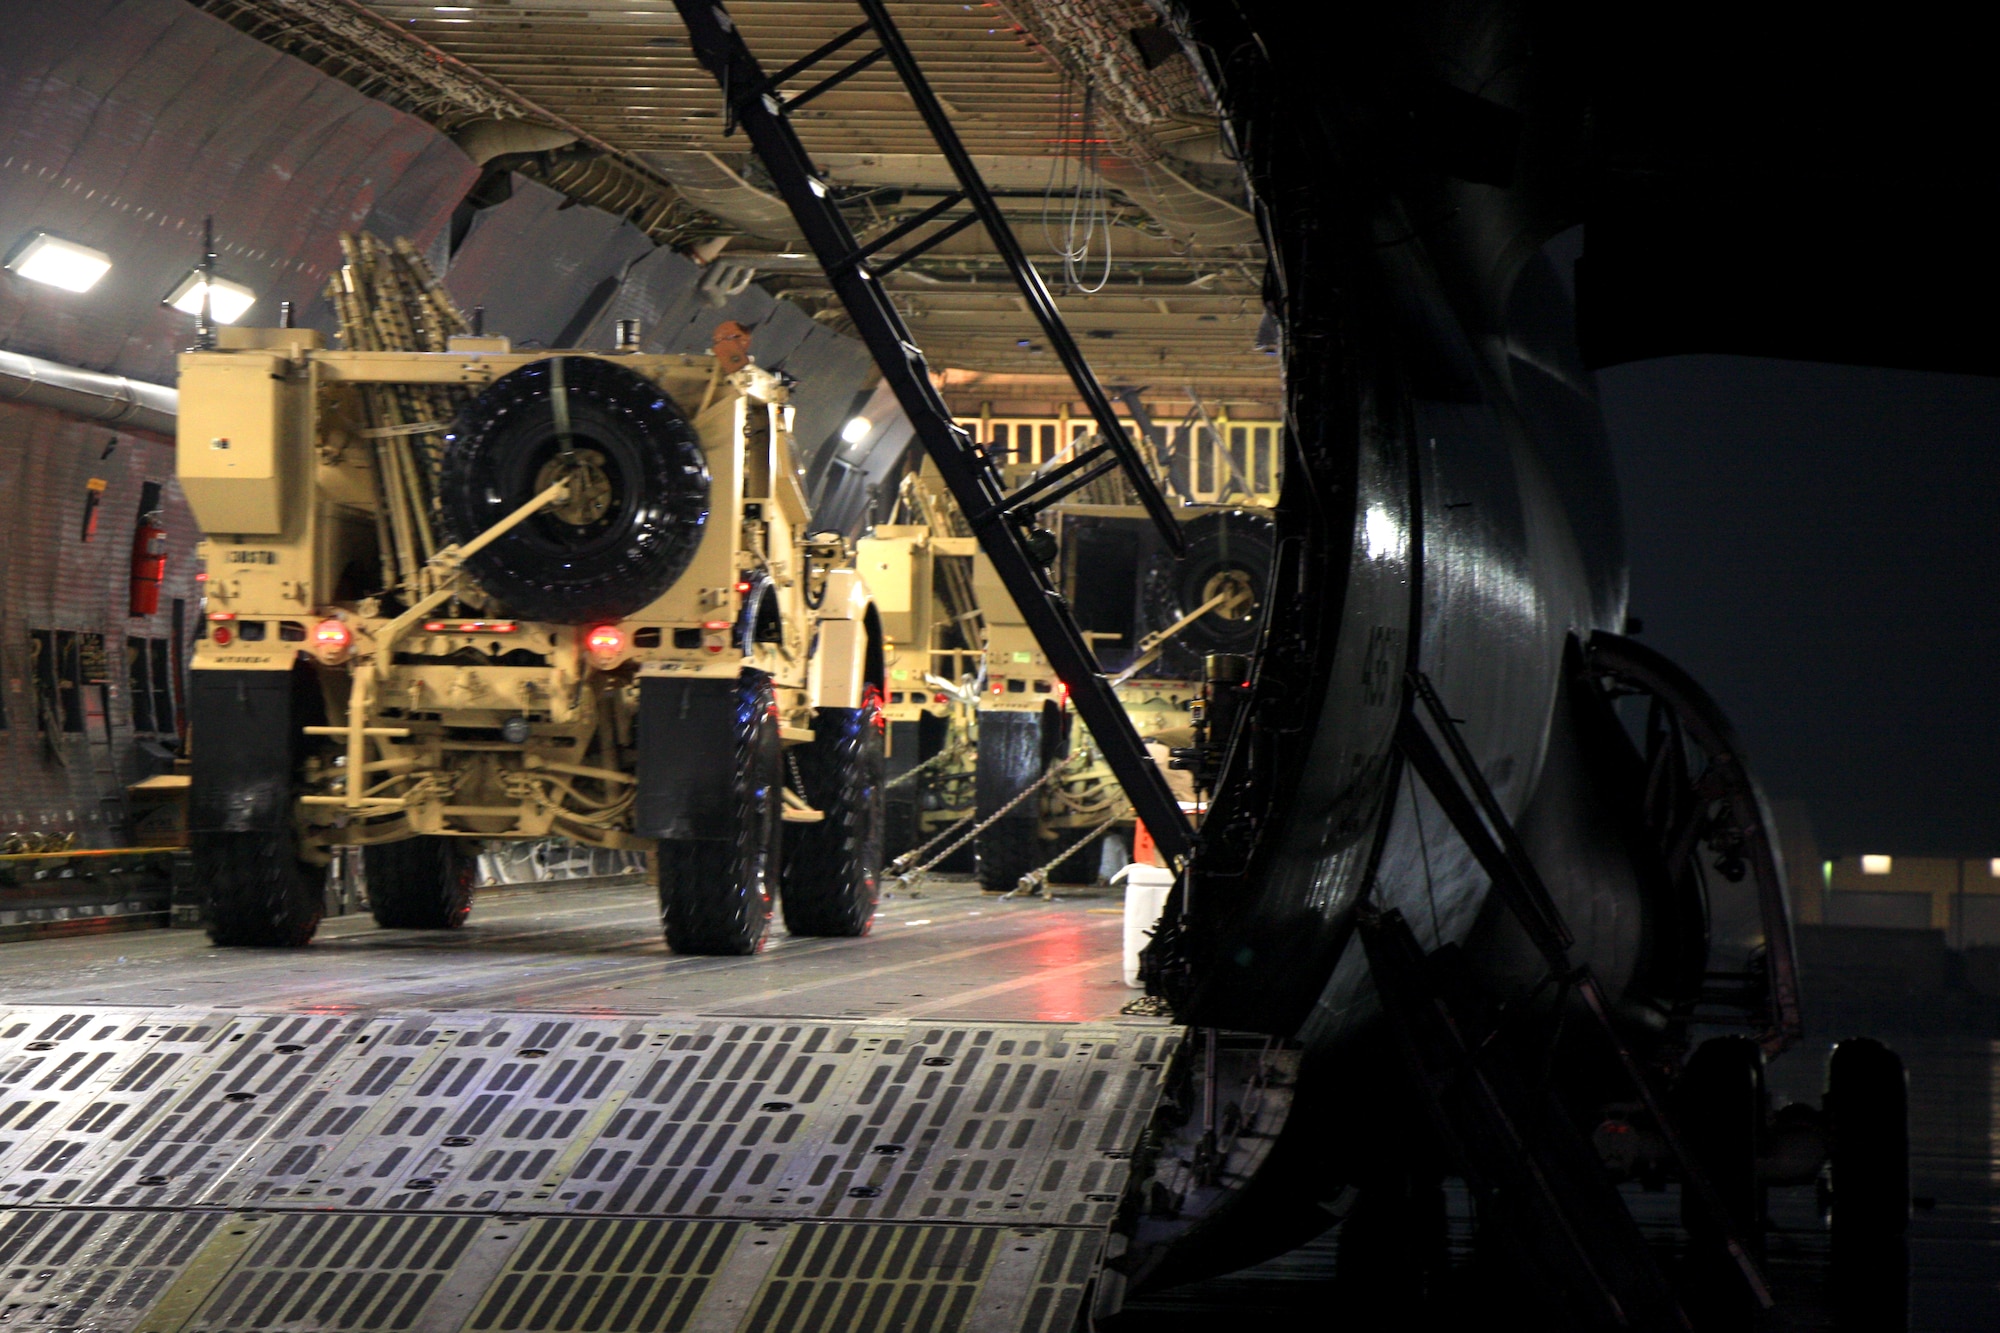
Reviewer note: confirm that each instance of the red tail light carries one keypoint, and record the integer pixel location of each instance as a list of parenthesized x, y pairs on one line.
[(605, 644), (332, 640)]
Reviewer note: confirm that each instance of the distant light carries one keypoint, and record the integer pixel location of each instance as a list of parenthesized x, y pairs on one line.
[(1993, 867), (1879, 865), (227, 303), (59, 263), (856, 430)]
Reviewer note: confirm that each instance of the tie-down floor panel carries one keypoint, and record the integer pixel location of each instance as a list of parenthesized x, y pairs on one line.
[(170, 1170)]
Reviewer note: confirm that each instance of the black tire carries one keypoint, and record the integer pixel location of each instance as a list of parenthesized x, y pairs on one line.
[(422, 883), (255, 892), (833, 868), (1009, 850), (1015, 749), (902, 811), (1722, 1108), (715, 893), (1868, 1158), (1868, 1178), (1236, 545), (1079, 866), (899, 827), (603, 555)]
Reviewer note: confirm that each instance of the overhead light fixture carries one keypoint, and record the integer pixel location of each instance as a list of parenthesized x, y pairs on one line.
[(856, 430), (52, 260), (227, 300), (1876, 865)]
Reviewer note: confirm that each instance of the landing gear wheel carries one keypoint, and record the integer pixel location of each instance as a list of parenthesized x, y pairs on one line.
[(1867, 1108), (715, 893), (1868, 1176), (1721, 1105), (255, 891), (420, 883), (1722, 1108), (832, 868)]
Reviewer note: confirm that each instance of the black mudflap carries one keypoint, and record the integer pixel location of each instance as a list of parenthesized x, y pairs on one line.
[(1539, 1186), (687, 752), (247, 742)]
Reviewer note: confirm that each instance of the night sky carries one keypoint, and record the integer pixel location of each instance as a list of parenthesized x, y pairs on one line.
[(1817, 544)]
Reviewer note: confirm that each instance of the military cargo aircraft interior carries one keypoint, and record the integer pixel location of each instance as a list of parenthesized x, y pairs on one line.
[(1062, 666)]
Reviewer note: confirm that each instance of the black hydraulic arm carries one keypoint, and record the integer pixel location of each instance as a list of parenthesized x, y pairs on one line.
[(756, 103)]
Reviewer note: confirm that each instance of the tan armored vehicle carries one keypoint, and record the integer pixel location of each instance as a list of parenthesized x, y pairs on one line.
[(1153, 622), (470, 594), (919, 568)]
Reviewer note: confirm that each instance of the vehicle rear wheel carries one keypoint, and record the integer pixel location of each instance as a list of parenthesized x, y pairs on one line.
[(715, 893), (1015, 750), (1009, 850), (422, 883), (833, 867), (255, 891)]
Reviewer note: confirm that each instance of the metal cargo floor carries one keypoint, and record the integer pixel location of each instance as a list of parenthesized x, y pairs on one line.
[(333, 1165)]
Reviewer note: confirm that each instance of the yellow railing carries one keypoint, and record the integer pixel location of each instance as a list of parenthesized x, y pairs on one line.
[(1242, 466)]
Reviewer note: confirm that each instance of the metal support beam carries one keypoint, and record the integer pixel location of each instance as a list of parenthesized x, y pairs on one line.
[(718, 43)]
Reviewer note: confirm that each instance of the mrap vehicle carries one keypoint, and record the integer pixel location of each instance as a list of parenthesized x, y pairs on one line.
[(474, 594)]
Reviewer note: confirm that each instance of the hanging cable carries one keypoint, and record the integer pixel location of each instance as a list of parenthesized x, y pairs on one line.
[(1087, 210)]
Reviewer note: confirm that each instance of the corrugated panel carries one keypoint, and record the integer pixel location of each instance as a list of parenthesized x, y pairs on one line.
[(532, 261), (123, 122), (217, 1171), (52, 579)]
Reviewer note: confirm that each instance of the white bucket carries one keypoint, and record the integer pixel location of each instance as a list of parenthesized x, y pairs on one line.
[(1146, 889)]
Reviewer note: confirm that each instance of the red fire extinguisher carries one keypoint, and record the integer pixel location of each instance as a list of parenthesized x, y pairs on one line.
[(149, 564)]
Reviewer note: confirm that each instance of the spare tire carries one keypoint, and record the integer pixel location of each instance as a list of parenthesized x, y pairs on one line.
[(639, 490), (1227, 552)]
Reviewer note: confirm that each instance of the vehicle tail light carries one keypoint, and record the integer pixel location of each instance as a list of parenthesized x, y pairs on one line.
[(332, 641), (605, 644), (223, 634)]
